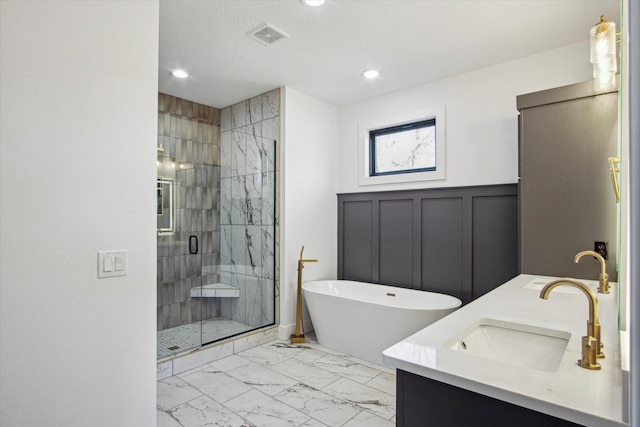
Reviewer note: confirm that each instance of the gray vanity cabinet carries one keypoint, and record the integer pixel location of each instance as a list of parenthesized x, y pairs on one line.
[(425, 402), (566, 195)]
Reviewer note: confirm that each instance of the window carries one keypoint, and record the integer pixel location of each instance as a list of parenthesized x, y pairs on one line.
[(409, 149), (403, 149)]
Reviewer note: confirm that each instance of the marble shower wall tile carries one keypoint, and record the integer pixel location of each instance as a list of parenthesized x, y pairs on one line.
[(225, 249), (255, 109), (254, 250), (238, 306), (271, 129), (253, 158), (239, 200), (267, 252), (238, 249), (238, 153), (225, 119), (225, 154), (225, 201), (267, 154), (271, 104), (253, 199), (254, 301), (250, 130), (239, 113), (268, 302), (267, 199)]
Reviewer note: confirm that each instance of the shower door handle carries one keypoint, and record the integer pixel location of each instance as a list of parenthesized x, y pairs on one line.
[(193, 245)]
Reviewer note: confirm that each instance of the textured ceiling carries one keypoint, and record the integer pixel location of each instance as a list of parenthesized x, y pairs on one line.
[(409, 42)]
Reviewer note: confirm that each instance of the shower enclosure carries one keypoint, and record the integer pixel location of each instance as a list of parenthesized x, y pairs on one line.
[(216, 220)]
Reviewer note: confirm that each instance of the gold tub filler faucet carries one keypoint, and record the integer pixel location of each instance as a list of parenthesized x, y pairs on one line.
[(604, 277), (591, 346), (298, 337)]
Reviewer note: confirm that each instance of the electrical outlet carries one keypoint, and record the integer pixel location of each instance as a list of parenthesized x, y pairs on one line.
[(601, 248)]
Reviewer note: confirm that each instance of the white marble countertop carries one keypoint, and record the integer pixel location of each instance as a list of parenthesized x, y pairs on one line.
[(590, 398)]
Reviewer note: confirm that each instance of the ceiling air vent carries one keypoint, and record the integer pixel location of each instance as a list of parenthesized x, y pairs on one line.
[(267, 34)]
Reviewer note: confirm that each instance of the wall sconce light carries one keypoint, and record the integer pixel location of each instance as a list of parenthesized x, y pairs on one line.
[(602, 38)]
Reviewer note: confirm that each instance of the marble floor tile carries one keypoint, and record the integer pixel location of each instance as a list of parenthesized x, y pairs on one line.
[(267, 381), (173, 391), (205, 411), (285, 347), (263, 356), (306, 374), (365, 397), (265, 411), (384, 382), (165, 420), (321, 406), (379, 367), (229, 363), (313, 423), (309, 355), (367, 419), (217, 385), (346, 368), (280, 384)]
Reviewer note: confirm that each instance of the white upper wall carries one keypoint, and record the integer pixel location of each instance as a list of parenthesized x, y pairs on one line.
[(308, 203), (481, 117), (78, 129)]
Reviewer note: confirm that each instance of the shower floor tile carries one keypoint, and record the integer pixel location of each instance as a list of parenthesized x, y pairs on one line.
[(190, 336), (269, 385)]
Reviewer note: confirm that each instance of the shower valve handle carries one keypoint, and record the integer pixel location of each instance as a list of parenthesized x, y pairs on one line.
[(193, 242)]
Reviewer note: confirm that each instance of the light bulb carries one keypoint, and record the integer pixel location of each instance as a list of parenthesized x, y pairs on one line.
[(371, 74), (181, 74)]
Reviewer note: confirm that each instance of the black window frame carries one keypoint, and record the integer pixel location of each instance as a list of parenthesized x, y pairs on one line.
[(395, 129)]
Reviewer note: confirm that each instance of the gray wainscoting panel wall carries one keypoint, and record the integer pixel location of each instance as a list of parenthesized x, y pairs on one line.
[(461, 241)]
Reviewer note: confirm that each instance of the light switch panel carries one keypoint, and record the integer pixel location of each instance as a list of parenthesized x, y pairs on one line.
[(107, 263), (112, 264)]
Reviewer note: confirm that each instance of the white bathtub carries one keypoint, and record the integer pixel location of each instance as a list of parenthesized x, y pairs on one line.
[(363, 319)]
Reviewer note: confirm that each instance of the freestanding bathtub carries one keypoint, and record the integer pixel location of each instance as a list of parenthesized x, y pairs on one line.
[(362, 319)]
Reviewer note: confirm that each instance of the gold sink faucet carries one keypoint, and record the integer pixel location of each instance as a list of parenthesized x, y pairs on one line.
[(604, 277), (591, 346)]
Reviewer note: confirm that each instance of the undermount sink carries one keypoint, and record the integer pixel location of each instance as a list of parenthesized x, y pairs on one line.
[(513, 343)]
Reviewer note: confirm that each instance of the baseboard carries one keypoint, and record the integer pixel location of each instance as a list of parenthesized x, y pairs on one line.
[(285, 331)]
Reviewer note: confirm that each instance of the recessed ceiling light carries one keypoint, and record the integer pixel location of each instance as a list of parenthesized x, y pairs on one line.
[(313, 2), (181, 74), (371, 74)]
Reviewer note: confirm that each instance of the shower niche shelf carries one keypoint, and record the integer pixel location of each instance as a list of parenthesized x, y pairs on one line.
[(215, 290)]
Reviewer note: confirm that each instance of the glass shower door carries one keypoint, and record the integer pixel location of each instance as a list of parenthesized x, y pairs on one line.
[(180, 277)]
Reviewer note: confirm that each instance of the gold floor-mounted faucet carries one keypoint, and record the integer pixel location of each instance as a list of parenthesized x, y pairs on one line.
[(604, 277), (298, 337), (591, 346)]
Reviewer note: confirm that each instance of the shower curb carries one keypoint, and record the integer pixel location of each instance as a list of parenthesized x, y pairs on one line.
[(179, 363)]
